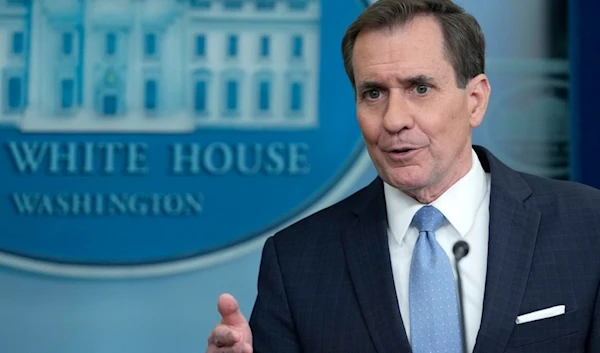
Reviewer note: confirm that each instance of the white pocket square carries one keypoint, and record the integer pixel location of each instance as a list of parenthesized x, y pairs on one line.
[(541, 314)]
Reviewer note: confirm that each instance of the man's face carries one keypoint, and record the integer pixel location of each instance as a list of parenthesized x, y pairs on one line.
[(415, 121)]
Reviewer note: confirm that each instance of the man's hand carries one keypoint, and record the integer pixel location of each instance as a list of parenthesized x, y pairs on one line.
[(232, 334)]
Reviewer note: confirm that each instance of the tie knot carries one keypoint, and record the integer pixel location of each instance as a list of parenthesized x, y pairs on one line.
[(428, 219)]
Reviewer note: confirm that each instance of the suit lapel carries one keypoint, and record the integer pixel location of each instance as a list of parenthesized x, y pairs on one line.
[(367, 255), (512, 235)]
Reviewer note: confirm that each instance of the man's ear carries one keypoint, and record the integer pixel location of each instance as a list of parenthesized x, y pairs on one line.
[(478, 90)]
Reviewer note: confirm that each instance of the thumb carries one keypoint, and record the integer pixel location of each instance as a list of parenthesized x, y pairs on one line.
[(230, 311)]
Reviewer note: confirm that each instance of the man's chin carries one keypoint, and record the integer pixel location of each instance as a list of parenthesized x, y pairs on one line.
[(406, 184)]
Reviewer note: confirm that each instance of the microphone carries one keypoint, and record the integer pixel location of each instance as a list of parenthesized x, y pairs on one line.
[(460, 250)]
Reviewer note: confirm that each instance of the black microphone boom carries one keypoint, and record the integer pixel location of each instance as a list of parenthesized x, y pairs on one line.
[(460, 250)]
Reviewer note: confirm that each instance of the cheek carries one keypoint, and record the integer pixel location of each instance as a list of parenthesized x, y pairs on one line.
[(452, 124), (447, 133), (370, 128)]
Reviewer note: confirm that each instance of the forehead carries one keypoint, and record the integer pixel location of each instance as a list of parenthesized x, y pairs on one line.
[(415, 48)]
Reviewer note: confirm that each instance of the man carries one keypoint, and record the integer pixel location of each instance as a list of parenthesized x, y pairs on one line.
[(374, 273)]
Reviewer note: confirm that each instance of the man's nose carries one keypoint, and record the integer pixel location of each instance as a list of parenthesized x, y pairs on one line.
[(398, 115)]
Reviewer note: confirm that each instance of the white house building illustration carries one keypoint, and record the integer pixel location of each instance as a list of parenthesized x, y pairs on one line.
[(14, 34), (159, 65)]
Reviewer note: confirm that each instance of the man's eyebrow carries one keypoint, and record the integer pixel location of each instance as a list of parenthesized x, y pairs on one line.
[(417, 80), (369, 85), (405, 81)]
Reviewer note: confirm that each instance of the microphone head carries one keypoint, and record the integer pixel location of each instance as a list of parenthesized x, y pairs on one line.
[(460, 249)]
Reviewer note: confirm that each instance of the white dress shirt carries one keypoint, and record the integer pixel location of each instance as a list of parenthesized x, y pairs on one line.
[(466, 208)]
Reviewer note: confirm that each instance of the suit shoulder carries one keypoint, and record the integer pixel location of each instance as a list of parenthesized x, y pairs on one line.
[(330, 220), (566, 191), (568, 204), (570, 214)]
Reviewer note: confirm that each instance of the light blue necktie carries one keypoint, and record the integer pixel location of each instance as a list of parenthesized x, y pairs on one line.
[(434, 312)]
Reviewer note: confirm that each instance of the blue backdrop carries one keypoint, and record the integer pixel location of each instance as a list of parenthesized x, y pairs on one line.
[(584, 52)]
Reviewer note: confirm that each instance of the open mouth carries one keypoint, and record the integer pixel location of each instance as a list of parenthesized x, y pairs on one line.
[(404, 150), (402, 153)]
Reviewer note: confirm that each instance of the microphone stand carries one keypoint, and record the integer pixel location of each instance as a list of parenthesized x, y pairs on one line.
[(460, 250)]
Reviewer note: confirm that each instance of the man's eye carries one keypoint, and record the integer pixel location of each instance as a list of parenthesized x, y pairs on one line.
[(421, 89), (373, 94)]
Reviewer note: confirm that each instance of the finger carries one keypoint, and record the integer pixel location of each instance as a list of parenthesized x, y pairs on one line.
[(224, 336), (230, 311), (237, 349), (223, 350), (247, 348)]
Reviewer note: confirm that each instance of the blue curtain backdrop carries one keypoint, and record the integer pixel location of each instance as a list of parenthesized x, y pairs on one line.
[(585, 77)]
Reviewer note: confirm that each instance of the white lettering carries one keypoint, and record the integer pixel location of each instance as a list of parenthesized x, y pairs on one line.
[(219, 158), (68, 158), (224, 155), (298, 159), (136, 158), (28, 155), (180, 156), (88, 204), (243, 157), (275, 159)]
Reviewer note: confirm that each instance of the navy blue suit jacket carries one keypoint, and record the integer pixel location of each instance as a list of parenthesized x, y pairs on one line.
[(326, 285)]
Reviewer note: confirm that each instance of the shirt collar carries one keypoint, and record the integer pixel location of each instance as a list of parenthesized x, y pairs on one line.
[(459, 204)]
